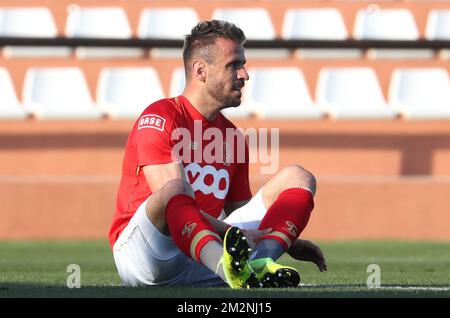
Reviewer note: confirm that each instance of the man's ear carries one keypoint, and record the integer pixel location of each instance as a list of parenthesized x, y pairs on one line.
[(199, 68)]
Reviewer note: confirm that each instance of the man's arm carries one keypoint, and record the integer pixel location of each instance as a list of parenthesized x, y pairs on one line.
[(158, 176), (160, 179)]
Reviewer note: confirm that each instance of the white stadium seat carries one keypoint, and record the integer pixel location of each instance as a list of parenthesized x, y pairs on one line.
[(255, 22), (167, 23), (385, 24), (58, 93), (314, 24), (98, 22), (438, 25), (279, 92), (317, 24), (29, 22), (10, 108), (124, 92), (177, 82), (241, 111), (438, 28), (421, 93), (351, 93)]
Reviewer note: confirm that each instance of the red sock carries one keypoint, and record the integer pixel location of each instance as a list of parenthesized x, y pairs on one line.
[(288, 216), (187, 226)]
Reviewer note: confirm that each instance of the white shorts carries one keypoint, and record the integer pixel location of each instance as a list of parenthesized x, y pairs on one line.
[(144, 256)]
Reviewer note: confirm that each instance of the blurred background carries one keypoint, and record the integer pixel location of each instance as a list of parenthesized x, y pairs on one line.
[(360, 91)]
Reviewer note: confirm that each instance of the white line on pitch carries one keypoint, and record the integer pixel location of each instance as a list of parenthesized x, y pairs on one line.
[(423, 288)]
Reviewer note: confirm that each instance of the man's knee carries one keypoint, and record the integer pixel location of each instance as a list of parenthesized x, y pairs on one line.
[(174, 187), (297, 176)]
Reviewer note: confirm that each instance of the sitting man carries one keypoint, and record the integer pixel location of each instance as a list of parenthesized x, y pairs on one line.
[(185, 213)]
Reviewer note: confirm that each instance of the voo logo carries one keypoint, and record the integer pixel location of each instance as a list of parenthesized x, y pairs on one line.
[(199, 175)]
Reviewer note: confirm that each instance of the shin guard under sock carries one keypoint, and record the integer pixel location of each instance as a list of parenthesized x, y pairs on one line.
[(188, 228), (288, 216)]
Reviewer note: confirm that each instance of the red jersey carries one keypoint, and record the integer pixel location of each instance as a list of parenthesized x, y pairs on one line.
[(173, 130)]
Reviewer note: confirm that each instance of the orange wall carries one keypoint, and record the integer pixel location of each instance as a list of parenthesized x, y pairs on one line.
[(375, 180)]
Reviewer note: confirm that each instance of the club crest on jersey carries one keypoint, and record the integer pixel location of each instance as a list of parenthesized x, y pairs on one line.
[(188, 228), (152, 121), (291, 228)]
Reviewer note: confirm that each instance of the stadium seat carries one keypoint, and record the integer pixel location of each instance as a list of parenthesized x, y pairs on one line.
[(237, 112), (374, 23), (10, 108), (255, 22), (30, 22), (351, 93), (177, 82), (98, 22), (314, 24), (257, 25), (385, 24), (27, 22), (438, 25), (166, 23), (438, 28), (124, 92), (317, 24), (279, 92), (421, 93), (58, 93)]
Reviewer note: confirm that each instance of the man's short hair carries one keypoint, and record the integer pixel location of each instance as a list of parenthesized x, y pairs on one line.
[(205, 34)]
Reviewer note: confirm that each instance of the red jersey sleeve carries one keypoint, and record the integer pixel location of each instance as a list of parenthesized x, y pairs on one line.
[(154, 130), (240, 186)]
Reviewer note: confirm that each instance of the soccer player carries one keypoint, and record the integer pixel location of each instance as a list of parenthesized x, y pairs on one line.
[(185, 213)]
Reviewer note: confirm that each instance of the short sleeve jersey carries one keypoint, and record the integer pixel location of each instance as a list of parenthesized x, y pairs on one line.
[(214, 155)]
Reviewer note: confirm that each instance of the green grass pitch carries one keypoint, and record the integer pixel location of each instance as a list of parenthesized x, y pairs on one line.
[(408, 269)]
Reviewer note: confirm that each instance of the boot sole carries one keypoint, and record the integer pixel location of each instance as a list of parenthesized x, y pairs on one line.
[(282, 278)]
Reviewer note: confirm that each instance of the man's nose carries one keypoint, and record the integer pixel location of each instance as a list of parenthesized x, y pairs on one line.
[(243, 74)]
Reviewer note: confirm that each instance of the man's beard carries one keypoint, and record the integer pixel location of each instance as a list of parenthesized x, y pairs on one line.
[(217, 92)]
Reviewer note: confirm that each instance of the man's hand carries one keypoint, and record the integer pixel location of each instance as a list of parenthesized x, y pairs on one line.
[(303, 250), (253, 236)]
